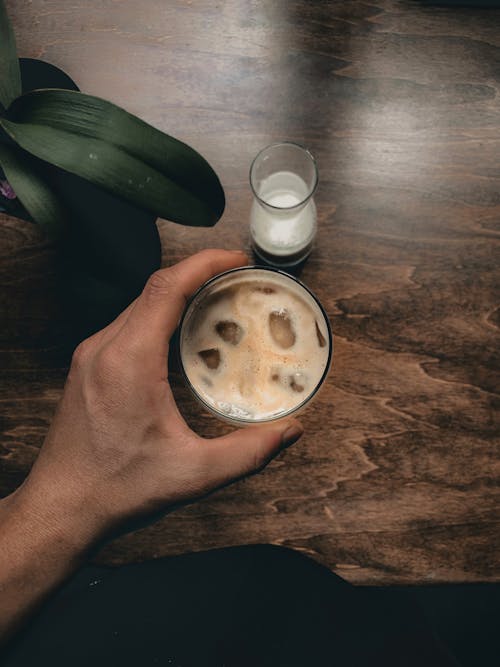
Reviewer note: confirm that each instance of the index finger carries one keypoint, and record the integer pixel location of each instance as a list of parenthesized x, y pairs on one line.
[(158, 309)]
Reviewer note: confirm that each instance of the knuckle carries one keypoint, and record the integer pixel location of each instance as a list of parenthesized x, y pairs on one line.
[(160, 283), (209, 257), (208, 254), (107, 363), (81, 354)]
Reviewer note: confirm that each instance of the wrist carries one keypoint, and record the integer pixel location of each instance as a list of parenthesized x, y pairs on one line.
[(42, 542), (54, 515)]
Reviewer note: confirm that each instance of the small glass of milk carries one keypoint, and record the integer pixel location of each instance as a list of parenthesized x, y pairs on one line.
[(283, 178)]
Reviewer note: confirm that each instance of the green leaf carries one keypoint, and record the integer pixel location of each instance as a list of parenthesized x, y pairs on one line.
[(33, 192), (10, 75), (116, 150)]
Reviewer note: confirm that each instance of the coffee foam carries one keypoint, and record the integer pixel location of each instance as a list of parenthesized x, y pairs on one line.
[(254, 369)]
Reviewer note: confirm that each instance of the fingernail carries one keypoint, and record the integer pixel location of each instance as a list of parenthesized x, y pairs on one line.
[(240, 252), (291, 435)]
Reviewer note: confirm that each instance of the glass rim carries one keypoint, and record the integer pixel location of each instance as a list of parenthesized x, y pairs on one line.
[(290, 411), (316, 176)]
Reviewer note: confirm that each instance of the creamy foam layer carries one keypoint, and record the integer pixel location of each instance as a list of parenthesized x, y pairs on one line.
[(255, 347)]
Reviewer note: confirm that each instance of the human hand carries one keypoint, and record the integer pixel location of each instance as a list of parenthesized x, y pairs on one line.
[(118, 447)]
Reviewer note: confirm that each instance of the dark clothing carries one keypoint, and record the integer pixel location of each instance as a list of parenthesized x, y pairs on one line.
[(244, 607)]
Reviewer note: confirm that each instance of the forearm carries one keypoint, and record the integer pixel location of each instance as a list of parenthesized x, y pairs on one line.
[(42, 542)]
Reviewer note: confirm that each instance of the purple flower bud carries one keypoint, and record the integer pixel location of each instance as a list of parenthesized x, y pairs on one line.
[(6, 190)]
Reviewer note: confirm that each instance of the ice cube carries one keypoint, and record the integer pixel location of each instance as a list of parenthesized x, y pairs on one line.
[(211, 358), (321, 338), (298, 382), (229, 331), (281, 328), (232, 410)]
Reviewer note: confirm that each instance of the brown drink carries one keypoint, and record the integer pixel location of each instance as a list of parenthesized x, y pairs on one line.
[(255, 345)]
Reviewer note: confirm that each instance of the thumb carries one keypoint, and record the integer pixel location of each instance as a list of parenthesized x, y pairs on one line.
[(248, 450)]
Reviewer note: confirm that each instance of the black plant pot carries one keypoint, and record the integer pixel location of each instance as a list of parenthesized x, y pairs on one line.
[(111, 246)]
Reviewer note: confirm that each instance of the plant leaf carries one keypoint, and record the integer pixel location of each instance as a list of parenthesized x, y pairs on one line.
[(116, 150), (32, 191), (10, 75)]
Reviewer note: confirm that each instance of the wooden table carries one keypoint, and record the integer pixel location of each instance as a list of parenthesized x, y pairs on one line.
[(395, 479)]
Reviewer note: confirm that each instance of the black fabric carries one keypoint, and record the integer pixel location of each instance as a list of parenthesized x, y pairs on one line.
[(242, 607)]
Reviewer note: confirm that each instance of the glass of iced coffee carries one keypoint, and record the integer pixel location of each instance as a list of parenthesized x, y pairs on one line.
[(255, 345)]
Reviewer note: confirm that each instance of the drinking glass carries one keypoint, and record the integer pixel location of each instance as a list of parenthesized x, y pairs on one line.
[(207, 301), (283, 178)]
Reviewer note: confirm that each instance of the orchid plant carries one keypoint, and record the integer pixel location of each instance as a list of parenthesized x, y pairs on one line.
[(97, 141)]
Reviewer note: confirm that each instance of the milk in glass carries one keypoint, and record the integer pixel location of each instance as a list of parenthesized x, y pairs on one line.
[(283, 219)]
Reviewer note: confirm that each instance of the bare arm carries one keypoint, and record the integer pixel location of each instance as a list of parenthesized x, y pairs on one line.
[(118, 447)]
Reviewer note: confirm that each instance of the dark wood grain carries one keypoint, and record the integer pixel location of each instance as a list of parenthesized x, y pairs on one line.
[(396, 479)]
